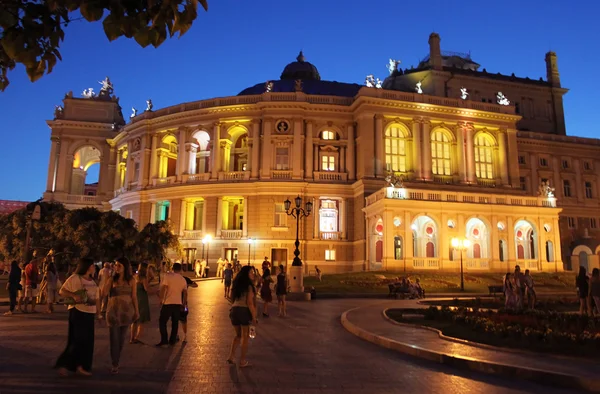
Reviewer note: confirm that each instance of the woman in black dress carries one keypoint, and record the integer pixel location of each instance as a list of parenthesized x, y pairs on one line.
[(13, 286), (583, 290), (281, 291)]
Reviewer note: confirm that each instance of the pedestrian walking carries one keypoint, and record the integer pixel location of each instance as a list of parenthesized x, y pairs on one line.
[(103, 276), (220, 267), (173, 296), (32, 281), (242, 313), (21, 295), (265, 291), (51, 279), (228, 277), (142, 286), (509, 292), (197, 268), (583, 288), (122, 308), (595, 290), (13, 286), (281, 291), (82, 295), (529, 290), (185, 310)]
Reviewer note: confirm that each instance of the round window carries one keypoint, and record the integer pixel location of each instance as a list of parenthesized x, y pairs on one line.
[(501, 226)]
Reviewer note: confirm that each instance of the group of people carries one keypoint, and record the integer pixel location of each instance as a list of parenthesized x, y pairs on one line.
[(34, 283), (519, 291), (406, 286), (243, 293), (588, 291)]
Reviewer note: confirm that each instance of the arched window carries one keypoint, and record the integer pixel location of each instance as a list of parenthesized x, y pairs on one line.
[(483, 157), (440, 153), (328, 135), (398, 248), (395, 150)]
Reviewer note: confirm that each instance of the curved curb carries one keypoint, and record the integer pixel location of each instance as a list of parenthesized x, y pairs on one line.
[(472, 364)]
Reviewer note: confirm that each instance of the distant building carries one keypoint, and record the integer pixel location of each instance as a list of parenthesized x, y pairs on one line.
[(395, 170), (9, 206)]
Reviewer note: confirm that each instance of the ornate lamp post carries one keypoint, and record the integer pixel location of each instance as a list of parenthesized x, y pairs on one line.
[(250, 241), (298, 213), (461, 245)]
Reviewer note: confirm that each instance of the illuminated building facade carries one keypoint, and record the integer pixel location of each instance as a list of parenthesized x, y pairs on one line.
[(395, 170)]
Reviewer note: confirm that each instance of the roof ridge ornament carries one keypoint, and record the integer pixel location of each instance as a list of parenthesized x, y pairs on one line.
[(301, 57), (393, 65)]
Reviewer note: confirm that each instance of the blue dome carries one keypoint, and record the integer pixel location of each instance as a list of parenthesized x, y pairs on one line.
[(300, 69)]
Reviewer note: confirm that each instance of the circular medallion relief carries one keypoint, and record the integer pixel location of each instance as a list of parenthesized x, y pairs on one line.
[(451, 223), (282, 126), (379, 228), (397, 221), (547, 227), (501, 226)]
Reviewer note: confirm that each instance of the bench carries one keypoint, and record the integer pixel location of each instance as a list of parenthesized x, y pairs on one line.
[(394, 291), (496, 289)]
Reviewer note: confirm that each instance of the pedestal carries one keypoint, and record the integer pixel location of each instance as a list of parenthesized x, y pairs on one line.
[(296, 279)]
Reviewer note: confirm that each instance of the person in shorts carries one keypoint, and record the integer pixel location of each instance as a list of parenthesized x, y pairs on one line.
[(32, 281), (242, 313), (185, 310), (227, 278)]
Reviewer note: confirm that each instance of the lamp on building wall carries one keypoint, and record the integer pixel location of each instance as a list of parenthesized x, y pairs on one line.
[(461, 245)]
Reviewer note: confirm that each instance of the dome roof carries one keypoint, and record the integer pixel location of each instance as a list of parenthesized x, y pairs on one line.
[(327, 88), (300, 69)]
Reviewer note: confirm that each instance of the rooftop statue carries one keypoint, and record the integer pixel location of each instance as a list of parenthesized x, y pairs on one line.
[(393, 65), (418, 88), (372, 82), (149, 105), (58, 112), (394, 180), (133, 113), (463, 93), (268, 87), (545, 190), (501, 99), (88, 93), (107, 87), (298, 85)]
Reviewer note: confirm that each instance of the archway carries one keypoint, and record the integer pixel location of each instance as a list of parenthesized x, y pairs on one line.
[(583, 260), (168, 154), (477, 232), (525, 240), (236, 154), (425, 237), (581, 254), (86, 171), (202, 159)]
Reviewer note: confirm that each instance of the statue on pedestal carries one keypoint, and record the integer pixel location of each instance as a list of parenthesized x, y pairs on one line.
[(107, 87), (58, 112), (88, 93), (149, 105), (545, 190), (133, 113), (463, 93), (393, 65)]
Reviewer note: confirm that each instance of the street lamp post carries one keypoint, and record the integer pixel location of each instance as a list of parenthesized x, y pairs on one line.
[(461, 245), (297, 212), (250, 240)]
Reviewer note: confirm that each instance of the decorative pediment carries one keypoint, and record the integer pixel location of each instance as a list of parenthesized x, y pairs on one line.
[(329, 148)]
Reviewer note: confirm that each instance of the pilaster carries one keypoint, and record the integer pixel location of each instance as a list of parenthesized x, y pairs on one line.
[(308, 150), (379, 153), (297, 152), (426, 149), (216, 151), (350, 153)]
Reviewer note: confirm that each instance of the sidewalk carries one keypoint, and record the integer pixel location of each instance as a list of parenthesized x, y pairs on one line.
[(369, 324)]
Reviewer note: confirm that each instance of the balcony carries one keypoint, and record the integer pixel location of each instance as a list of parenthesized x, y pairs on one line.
[(486, 182), (234, 176), (82, 199), (477, 264), (194, 178), (231, 234), (331, 235), (329, 176), (164, 181), (426, 263), (192, 234), (281, 174), (443, 179)]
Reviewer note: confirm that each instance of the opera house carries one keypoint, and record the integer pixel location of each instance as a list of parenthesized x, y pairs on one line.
[(433, 163)]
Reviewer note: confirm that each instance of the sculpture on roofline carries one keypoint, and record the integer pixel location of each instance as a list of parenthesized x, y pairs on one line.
[(418, 88), (372, 82), (268, 87), (545, 190), (393, 65), (58, 112), (298, 85), (88, 93), (501, 99), (149, 105), (463, 93), (107, 87), (133, 113), (394, 180)]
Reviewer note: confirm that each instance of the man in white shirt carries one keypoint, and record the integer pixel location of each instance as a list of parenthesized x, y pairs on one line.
[(173, 298)]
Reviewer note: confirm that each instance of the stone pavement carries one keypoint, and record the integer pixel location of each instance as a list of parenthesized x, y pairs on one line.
[(370, 318), (308, 352)]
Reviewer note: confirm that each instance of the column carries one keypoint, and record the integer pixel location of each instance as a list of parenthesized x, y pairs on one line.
[(144, 165), (204, 229), (317, 164), (503, 157), (308, 151), (128, 167), (342, 212), (50, 182), (461, 157), (183, 216), (510, 241), (153, 159), (297, 150), (416, 148), (104, 188), (216, 151), (267, 151), (557, 246), (316, 217), (471, 175), (535, 182), (62, 172), (379, 154), (219, 216), (255, 164), (342, 164), (426, 150), (512, 157), (245, 229), (408, 252), (350, 153), (153, 213), (192, 150)]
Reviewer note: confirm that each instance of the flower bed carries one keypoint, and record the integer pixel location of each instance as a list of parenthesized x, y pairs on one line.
[(543, 331), (562, 304)]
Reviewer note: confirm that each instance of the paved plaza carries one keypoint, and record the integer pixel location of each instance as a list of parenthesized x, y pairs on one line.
[(308, 352)]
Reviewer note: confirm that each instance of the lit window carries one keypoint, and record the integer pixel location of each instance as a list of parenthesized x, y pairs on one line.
[(330, 255), (543, 162), (328, 135), (571, 222), (328, 216), (523, 183), (328, 163), (483, 157), (588, 190), (282, 159), (129, 215), (395, 150), (162, 210), (440, 154), (566, 188), (280, 219)]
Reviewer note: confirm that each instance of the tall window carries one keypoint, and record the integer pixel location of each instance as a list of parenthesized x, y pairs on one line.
[(566, 188), (593, 223), (395, 150), (328, 216), (523, 183), (330, 255), (282, 159), (483, 157), (280, 219), (327, 163), (588, 190), (328, 135), (162, 210), (440, 153), (571, 222)]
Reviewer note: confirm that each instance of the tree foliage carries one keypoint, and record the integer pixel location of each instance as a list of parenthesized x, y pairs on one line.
[(31, 30), (86, 232)]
